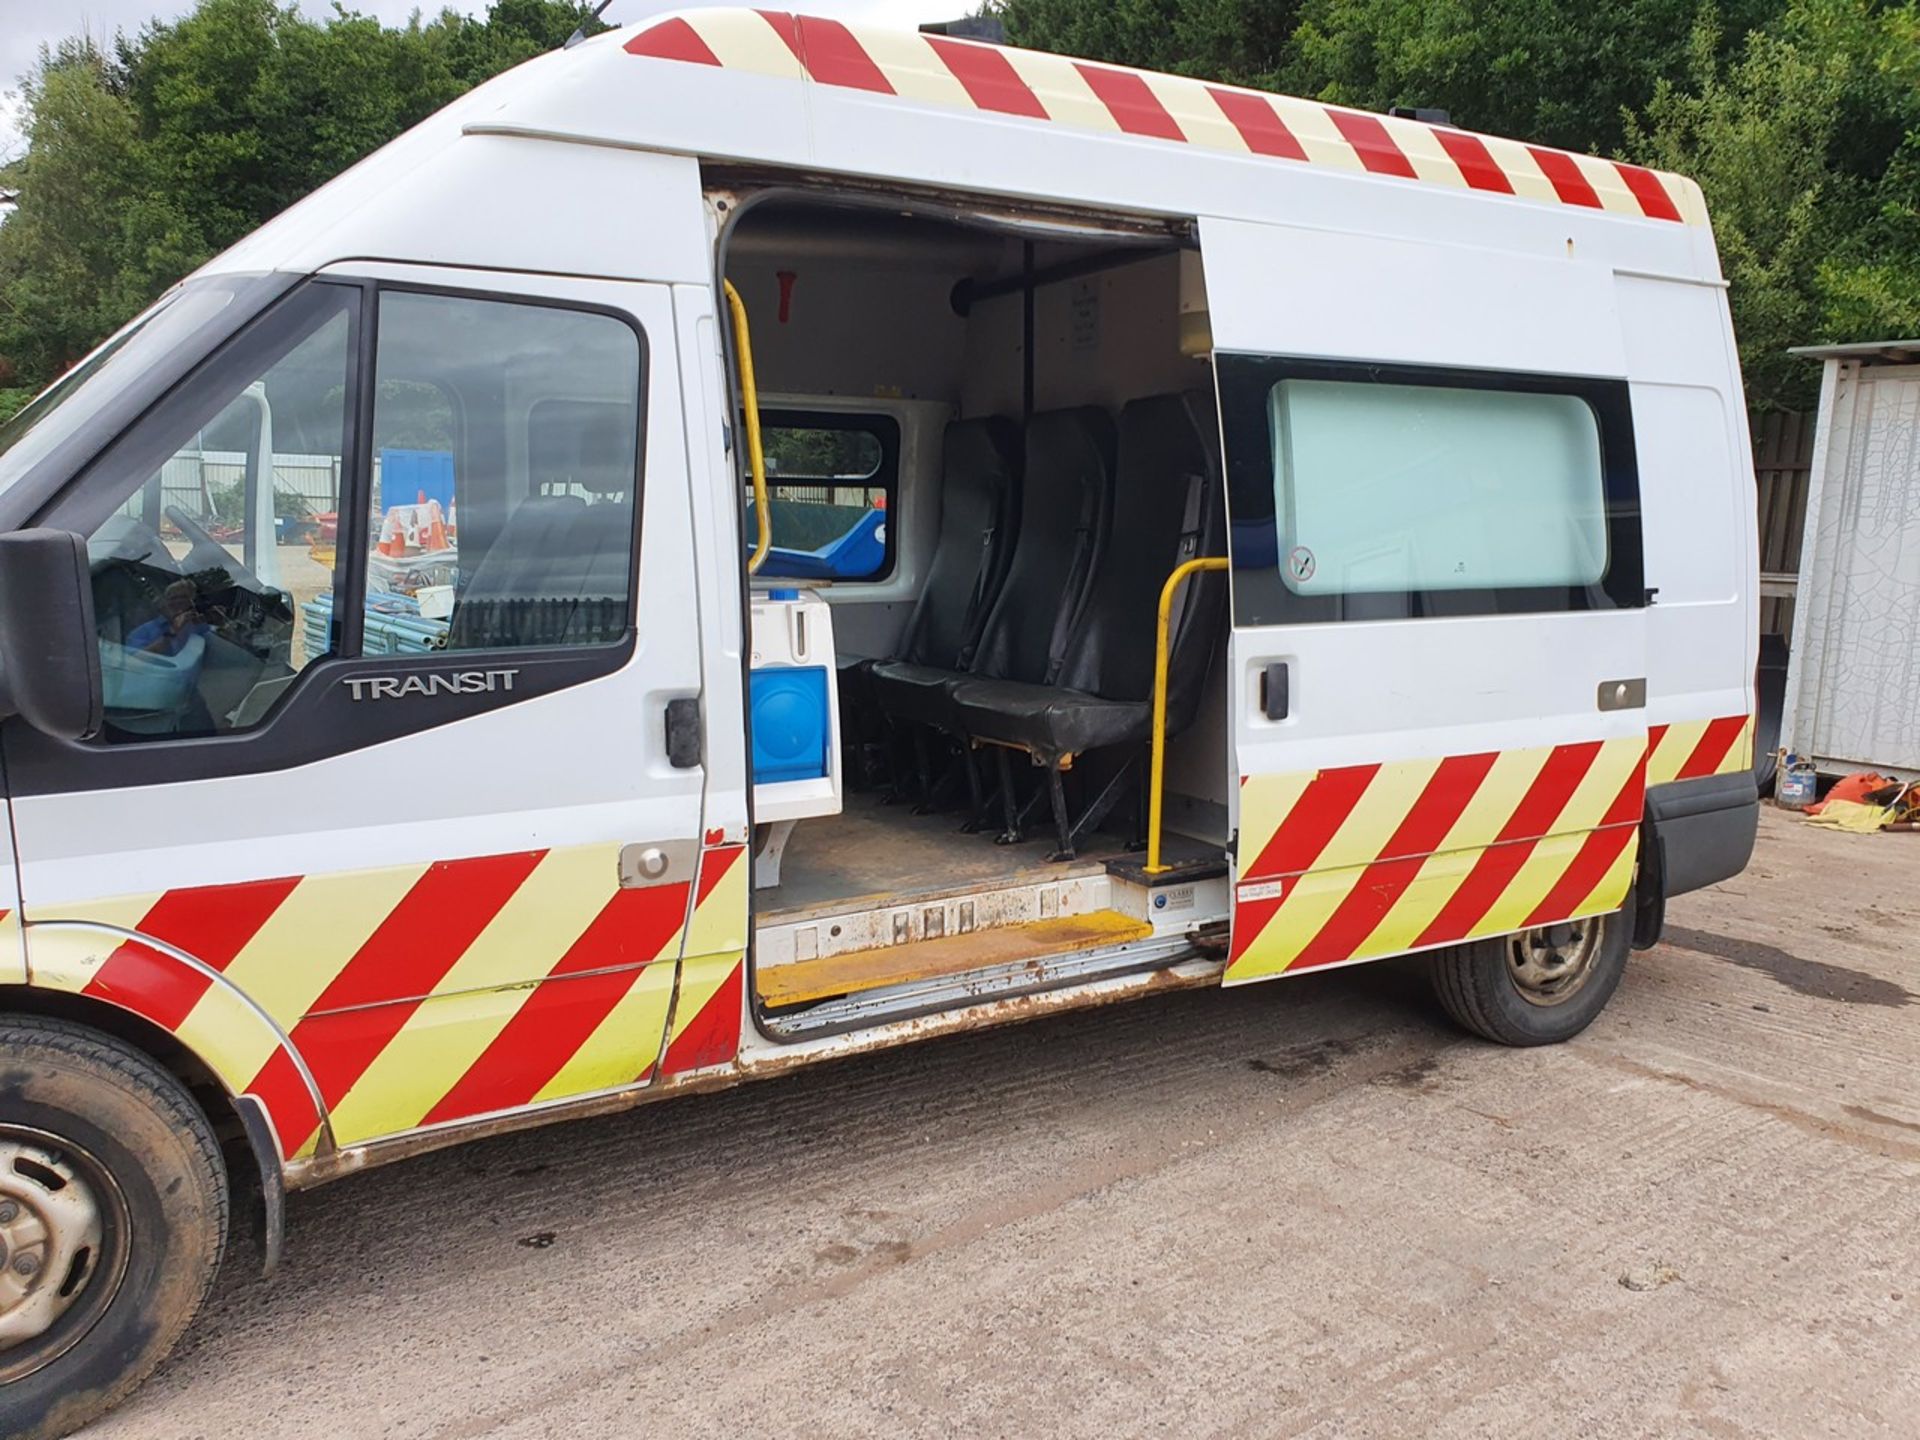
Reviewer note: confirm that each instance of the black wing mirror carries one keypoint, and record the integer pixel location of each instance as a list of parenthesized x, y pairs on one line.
[(49, 655)]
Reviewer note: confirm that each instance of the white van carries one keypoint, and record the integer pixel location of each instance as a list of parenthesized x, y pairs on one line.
[(749, 540)]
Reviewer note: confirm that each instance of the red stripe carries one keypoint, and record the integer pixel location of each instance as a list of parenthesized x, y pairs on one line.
[(1373, 144), (560, 1016), (1477, 165), (988, 77), (1655, 735), (1258, 122), (1712, 747), (1320, 811), (713, 1037), (210, 923), (1595, 856), (1501, 861), (1133, 105), (833, 57), (1567, 181), (1442, 801), (1632, 799), (788, 29), (1650, 191), (289, 1103), (714, 865), (416, 945), (672, 40)]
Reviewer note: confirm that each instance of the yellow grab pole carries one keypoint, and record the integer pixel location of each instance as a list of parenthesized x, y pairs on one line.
[(1160, 645), (750, 400)]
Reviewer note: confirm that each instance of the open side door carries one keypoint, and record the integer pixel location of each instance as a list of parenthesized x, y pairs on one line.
[(1438, 657)]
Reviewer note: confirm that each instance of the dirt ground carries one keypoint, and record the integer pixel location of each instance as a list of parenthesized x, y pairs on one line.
[(1308, 1208)]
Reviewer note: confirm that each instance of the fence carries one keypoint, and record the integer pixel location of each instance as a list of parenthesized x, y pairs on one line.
[(1782, 466), (202, 482)]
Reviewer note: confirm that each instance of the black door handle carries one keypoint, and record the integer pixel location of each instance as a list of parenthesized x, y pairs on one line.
[(683, 732), (1273, 690)]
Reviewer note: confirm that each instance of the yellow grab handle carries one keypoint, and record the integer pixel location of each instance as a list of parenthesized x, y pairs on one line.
[(750, 401), (1160, 646)]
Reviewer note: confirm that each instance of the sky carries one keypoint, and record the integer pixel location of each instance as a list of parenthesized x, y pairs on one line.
[(29, 24)]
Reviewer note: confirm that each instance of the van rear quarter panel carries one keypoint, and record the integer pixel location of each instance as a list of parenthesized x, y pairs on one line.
[(1696, 499)]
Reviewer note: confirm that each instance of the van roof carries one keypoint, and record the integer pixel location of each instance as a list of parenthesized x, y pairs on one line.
[(1042, 88)]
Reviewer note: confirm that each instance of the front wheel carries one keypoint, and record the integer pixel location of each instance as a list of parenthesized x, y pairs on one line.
[(1537, 987), (113, 1216)]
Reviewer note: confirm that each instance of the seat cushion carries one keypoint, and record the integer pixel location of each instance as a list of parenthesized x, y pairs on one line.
[(920, 693), (1045, 719)]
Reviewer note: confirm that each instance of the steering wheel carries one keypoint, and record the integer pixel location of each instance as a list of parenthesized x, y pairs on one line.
[(208, 553)]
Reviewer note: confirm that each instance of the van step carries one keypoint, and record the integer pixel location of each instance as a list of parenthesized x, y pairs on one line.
[(801, 982)]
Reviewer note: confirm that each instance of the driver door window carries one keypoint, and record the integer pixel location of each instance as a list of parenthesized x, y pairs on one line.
[(213, 568)]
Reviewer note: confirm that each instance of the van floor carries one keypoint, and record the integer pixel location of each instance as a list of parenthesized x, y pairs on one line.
[(886, 852)]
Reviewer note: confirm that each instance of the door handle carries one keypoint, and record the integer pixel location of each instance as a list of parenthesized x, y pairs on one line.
[(683, 732), (1274, 699), (662, 862)]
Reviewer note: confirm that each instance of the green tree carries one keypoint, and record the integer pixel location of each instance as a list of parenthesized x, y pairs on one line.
[(144, 162)]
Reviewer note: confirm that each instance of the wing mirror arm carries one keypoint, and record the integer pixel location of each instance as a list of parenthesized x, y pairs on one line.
[(49, 654)]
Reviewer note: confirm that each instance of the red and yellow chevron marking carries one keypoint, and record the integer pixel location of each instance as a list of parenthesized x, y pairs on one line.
[(708, 1014), (1030, 85), (384, 1000), (1362, 861)]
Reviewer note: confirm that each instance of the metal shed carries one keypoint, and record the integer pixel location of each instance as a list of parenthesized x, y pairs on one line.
[(1853, 679)]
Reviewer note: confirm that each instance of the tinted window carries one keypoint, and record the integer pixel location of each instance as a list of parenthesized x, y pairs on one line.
[(1392, 492), (830, 486), (505, 455)]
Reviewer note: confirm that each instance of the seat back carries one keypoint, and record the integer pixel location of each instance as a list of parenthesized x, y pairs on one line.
[(1167, 508), (560, 570), (978, 519), (1066, 489)]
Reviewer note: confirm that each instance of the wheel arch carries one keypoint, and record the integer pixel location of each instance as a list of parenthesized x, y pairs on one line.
[(259, 1171)]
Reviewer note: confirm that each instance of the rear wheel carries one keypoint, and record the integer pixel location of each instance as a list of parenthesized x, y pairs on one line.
[(1537, 987), (113, 1216)]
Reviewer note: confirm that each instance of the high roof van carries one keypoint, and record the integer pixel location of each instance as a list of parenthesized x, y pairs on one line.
[(750, 540)]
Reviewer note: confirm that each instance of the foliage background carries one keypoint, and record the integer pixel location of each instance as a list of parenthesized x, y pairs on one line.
[(1800, 119)]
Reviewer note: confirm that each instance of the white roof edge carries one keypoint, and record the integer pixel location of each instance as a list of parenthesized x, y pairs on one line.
[(1861, 350)]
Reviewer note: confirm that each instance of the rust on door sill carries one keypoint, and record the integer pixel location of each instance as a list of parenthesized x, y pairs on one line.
[(804, 981)]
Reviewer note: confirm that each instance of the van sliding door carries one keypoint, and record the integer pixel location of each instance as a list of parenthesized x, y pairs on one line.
[(1438, 654)]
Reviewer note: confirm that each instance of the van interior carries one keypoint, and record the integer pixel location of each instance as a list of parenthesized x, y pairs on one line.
[(988, 443)]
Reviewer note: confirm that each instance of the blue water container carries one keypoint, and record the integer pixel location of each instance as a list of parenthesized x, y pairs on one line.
[(790, 723)]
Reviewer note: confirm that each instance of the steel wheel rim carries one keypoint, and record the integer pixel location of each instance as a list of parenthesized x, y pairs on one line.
[(63, 1252), (1552, 964)]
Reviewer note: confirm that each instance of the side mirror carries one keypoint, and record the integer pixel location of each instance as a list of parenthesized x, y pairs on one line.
[(49, 654)]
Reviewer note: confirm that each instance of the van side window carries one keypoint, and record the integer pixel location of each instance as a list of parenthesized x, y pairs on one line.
[(505, 456), (213, 545), (830, 486), (1383, 492)]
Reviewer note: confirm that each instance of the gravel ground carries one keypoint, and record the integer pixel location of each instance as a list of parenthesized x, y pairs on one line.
[(1308, 1208)]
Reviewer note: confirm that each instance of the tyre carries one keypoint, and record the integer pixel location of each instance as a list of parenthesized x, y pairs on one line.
[(1538, 987), (113, 1217)]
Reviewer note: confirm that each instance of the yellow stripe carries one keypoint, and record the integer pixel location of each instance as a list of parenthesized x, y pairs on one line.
[(1521, 169), (1608, 185), (720, 921), (1672, 751), (1265, 802), (124, 911), (700, 979), (13, 948), (1196, 112), (1063, 91), (1546, 862), (1313, 127), (1423, 150), (1610, 773), (912, 67), (742, 40), (1611, 893), (626, 1042)]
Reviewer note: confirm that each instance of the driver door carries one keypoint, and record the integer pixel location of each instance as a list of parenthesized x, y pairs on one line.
[(385, 666)]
